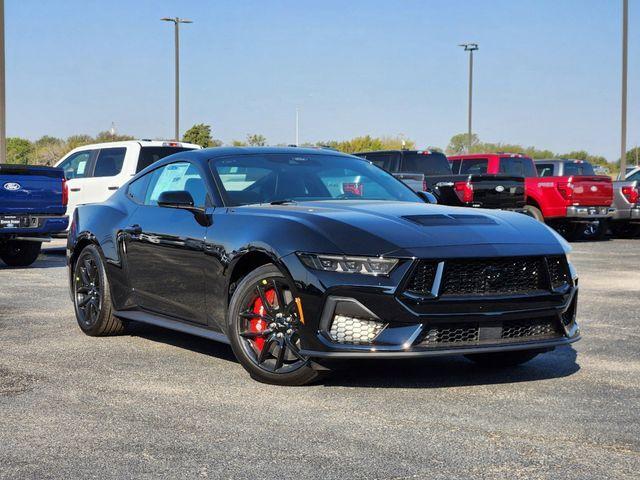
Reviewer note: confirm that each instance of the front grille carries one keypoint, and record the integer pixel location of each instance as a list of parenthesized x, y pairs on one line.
[(356, 331), (461, 333), (558, 271), (476, 333), (421, 280), (494, 276), (543, 328)]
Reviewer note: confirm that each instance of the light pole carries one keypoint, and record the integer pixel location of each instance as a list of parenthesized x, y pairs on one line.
[(176, 22), (470, 47), (297, 127), (623, 112), (3, 118)]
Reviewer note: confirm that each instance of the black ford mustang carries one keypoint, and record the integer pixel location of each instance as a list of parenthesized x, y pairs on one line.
[(299, 256)]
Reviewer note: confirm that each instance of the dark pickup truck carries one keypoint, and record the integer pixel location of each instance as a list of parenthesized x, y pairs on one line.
[(33, 202), (426, 170)]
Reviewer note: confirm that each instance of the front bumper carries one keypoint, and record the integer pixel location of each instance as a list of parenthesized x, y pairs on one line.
[(413, 327), (589, 213)]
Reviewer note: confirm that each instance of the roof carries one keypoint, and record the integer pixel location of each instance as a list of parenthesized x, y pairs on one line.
[(485, 155), (225, 151), (144, 143)]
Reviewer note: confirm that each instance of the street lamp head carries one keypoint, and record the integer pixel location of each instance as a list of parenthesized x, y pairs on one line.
[(469, 47), (167, 19), (176, 20)]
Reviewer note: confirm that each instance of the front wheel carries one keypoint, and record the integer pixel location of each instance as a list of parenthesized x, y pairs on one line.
[(20, 253), (503, 359), (263, 328)]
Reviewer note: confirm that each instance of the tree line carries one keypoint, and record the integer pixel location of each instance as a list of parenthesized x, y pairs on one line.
[(47, 150)]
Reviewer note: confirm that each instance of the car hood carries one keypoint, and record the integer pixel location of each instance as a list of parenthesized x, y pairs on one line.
[(383, 227)]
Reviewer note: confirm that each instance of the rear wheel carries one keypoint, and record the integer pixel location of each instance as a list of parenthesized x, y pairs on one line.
[(20, 253), (625, 229), (534, 212), (263, 328), (503, 359), (92, 295)]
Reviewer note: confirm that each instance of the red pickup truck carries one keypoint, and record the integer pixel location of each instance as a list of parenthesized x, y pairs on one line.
[(566, 194)]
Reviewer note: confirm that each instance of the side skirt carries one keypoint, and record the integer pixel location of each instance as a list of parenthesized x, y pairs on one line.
[(171, 324)]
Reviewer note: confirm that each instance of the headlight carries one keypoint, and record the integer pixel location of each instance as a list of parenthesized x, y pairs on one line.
[(339, 263)]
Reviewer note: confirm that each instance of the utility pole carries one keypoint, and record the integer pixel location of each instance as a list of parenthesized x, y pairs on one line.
[(623, 110), (470, 47), (297, 127), (3, 108), (176, 22)]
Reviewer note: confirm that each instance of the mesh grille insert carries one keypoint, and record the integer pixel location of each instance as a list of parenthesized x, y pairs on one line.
[(539, 328), (558, 271), (422, 278), (494, 276)]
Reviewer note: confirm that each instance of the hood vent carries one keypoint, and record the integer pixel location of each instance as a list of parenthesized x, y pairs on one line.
[(450, 220)]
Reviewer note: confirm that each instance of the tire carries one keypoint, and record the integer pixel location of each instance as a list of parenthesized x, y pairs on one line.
[(92, 295), (592, 231), (20, 253), (503, 359), (265, 344), (534, 212), (625, 229)]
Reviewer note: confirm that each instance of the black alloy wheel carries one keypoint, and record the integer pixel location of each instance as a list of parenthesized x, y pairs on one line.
[(92, 295), (264, 323)]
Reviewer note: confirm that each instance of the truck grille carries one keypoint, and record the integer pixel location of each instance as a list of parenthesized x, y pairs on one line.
[(489, 276), (475, 333)]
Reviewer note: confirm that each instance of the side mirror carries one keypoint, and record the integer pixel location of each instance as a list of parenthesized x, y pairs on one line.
[(427, 197), (176, 199)]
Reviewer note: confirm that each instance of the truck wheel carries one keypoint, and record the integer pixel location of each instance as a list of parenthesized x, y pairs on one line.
[(92, 295), (595, 230), (625, 229), (20, 253), (534, 212), (503, 359)]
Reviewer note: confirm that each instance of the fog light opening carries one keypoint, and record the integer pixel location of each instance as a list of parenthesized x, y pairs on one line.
[(355, 331)]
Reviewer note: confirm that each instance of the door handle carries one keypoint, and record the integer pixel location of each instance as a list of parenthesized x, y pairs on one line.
[(133, 229), (76, 189), (112, 188)]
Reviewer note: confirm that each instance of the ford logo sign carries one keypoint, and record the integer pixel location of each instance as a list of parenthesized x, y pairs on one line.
[(499, 189), (12, 186), (594, 188)]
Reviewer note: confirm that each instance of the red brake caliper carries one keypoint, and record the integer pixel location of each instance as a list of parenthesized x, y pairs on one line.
[(257, 324)]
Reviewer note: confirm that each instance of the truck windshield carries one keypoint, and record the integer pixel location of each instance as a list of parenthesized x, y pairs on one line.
[(266, 178), (433, 163), (149, 155), (578, 168)]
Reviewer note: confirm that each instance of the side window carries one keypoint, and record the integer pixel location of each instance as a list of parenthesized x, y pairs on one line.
[(455, 166), (138, 189), (476, 166), (544, 169), (173, 177), (635, 176), (387, 161), (77, 165), (109, 162)]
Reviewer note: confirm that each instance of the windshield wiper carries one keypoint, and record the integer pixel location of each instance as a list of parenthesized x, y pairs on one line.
[(284, 201)]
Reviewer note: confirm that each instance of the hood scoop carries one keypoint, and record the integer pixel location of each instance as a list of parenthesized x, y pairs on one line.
[(452, 220)]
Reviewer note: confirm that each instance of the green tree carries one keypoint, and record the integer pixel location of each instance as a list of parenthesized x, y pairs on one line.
[(200, 134), (48, 150), (459, 143), (367, 143), (238, 143), (633, 156), (256, 140), (107, 136), (19, 150)]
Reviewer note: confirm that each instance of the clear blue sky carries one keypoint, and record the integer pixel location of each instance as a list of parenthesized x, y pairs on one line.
[(547, 73)]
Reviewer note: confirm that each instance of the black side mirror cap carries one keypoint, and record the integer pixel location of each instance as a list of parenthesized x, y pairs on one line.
[(176, 199), (427, 197)]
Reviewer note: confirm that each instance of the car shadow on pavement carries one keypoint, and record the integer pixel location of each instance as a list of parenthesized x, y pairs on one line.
[(43, 261), (444, 372), (181, 340)]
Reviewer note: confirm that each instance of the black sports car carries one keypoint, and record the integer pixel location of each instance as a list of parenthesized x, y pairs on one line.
[(299, 256)]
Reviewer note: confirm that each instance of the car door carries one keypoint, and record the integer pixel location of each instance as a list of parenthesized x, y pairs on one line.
[(77, 168), (165, 246)]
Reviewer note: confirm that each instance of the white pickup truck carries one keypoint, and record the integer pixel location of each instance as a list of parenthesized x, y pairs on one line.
[(94, 172)]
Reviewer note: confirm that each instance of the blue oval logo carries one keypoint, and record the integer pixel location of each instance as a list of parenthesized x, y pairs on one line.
[(12, 186)]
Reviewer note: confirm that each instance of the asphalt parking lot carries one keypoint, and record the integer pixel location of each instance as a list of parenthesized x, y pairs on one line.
[(158, 404)]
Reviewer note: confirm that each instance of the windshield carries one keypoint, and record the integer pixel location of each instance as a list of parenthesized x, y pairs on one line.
[(266, 178)]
